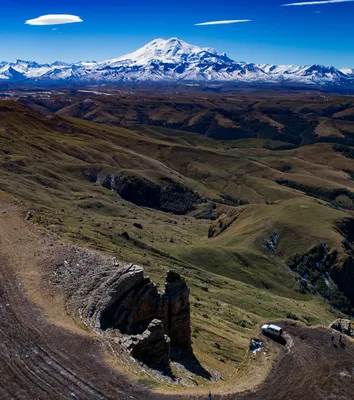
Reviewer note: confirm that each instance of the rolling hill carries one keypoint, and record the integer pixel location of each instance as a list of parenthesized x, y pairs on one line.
[(228, 215), (291, 119)]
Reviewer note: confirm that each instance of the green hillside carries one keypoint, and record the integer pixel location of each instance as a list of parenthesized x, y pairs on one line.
[(233, 240)]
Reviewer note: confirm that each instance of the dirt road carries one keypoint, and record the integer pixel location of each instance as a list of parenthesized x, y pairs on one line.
[(38, 359), (42, 360), (309, 367)]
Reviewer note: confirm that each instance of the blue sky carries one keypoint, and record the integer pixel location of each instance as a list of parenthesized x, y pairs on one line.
[(291, 35)]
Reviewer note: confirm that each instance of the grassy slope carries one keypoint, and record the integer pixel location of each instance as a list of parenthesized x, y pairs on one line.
[(235, 283), (238, 252), (292, 118)]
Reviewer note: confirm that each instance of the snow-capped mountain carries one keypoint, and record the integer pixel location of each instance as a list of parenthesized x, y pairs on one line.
[(174, 60), (173, 51)]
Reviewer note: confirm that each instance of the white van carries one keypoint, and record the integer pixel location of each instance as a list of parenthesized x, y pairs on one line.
[(272, 330)]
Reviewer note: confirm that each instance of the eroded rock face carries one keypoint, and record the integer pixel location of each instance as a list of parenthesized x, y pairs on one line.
[(154, 321), (167, 195), (177, 322), (135, 302), (152, 347), (106, 294)]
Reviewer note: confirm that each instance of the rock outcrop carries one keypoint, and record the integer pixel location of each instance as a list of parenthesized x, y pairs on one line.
[(106, 294), (343, 326), (152, 321), (152, 347), (177, 322), (135, 302), (167, 195)]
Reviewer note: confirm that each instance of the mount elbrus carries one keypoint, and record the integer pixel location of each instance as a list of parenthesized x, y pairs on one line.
[(174, 60)]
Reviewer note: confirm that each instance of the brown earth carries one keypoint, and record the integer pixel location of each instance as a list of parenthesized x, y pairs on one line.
[(45, 355), (309, 366), (40, 360)]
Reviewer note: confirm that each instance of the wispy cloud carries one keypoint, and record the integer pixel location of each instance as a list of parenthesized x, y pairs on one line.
[(231, 21), (54, 19), (316, 3)]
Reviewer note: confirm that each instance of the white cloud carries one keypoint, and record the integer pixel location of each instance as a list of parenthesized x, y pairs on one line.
[(231, 21), (54, 19), (316, 3)]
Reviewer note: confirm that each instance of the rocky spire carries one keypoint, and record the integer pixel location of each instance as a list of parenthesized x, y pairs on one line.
[(177, 321), (154, 321)]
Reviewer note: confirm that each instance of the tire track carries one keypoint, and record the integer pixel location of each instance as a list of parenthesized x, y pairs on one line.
[(42, 361)]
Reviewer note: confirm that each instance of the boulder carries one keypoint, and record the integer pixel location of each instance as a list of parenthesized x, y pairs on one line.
[(125, 235), (29, 216), (152, 347)]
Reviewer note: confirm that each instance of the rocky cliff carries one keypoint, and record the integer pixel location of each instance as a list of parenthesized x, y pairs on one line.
[(109, 295), (152, 347), (343, 275), (167, 195), (135, 302), (177, 320), (154, 321)]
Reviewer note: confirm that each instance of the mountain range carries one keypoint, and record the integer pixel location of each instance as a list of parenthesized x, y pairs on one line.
[(174, 60)]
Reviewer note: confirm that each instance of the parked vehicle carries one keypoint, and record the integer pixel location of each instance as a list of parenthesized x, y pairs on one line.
[(272, 330)]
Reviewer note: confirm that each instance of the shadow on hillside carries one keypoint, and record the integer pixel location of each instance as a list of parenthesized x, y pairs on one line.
[(281, 340), (190, 362)]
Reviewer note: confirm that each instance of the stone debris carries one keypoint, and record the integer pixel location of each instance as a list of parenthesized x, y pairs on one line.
[(272, 243), (255, 345), (152, 347), (29, 216), (343, 326)]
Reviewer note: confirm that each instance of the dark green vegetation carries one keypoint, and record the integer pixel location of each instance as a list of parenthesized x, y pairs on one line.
[(315, 268), (155, 193), (340, 197), (170, 196), (345, 150)]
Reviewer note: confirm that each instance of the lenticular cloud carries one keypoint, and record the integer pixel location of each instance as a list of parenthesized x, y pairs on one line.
[(54, 19), (231, 21), (317, 3)]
